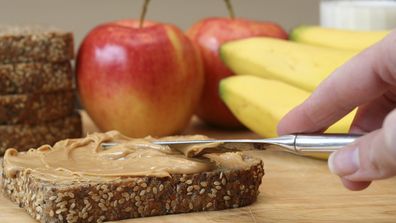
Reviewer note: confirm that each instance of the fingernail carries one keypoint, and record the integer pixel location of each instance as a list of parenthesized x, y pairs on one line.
[(344, 162)]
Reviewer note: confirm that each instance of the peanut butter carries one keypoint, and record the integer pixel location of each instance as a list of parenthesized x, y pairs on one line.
[(85, 159)]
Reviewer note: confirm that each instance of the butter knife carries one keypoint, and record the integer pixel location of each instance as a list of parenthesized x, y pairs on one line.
[(302, 144)]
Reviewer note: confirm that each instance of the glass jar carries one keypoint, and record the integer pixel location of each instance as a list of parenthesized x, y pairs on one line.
[(358, 14)]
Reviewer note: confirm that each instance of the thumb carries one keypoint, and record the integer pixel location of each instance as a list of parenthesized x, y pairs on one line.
[(371, 157)]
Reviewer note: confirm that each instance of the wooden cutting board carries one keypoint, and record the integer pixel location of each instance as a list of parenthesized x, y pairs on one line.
[(294, 189)]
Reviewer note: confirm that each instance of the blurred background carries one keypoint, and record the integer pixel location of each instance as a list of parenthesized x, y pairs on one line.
[(81, 16)]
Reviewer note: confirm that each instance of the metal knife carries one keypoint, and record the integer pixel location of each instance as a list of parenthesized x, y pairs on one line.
[(296, 143)]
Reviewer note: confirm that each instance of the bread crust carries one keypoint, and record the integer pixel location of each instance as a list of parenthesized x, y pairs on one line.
[(24, 136), (35, 108), (24, 78), (133, 197), (35, 44)]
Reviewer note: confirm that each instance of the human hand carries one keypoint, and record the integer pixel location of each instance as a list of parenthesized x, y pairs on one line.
[(368, 81)]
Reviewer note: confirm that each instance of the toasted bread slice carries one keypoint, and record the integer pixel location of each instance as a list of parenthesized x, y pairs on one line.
[(85, 197), (35, 108), (22, 78), (35, 44), (24, 136)]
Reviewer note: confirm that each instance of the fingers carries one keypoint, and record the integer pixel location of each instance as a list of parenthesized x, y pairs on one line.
[(364, 78), (370, 117), (345, 162), (371, 157), (355, 186)]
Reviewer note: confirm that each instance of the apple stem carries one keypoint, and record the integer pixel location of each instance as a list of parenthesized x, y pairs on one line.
[(230, 9), (143, 13)]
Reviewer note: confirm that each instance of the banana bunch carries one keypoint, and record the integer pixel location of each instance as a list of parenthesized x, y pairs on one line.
[(274, 76)]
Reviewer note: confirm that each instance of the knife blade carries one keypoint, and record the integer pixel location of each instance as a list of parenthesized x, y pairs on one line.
[(303, 144)]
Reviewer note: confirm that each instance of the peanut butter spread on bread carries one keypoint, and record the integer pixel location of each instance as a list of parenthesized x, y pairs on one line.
[(85, 159)]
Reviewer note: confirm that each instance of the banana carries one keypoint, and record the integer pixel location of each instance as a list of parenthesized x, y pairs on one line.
[(297, 64), (336, 38), (260, 103)]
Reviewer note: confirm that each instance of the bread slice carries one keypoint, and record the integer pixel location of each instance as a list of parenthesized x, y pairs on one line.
[(35, 43), (35, 108), (101, 199), (24, 137), (22, 78)]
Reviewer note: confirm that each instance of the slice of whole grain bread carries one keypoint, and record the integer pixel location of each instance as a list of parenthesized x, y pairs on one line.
[(35, 108), (132, 197), (24, 136), (24, 78), (35, 44)]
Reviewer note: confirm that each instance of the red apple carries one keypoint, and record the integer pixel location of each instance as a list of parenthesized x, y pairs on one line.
[(139, 80), (209, 34)]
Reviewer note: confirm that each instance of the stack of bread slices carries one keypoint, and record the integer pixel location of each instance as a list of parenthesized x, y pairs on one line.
[(37, 102)]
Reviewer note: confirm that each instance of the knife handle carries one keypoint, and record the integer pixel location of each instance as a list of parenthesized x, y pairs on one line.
[(324, 143)]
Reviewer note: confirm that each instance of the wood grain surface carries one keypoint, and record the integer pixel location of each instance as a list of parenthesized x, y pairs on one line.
[(294, 189)]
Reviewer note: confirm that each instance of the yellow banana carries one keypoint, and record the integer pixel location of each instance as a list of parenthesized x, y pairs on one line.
[(260, 103), (336, 38), (297, 64)]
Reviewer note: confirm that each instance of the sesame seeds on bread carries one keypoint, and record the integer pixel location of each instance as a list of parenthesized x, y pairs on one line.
[(22, 78), (78, 180), (25, 136), (134, 197), (35, 44), (35, 108), (36, 87)]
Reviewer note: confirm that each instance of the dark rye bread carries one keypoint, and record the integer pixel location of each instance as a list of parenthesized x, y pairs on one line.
[(23, 78), (35, 44), (133, 197), (35, 108), (24, 137)]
